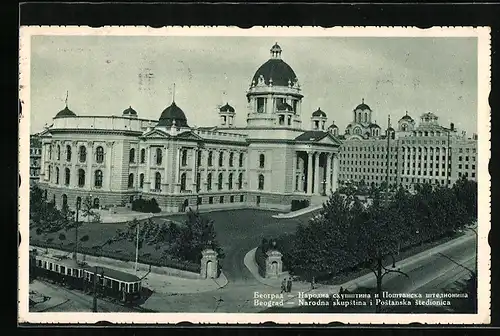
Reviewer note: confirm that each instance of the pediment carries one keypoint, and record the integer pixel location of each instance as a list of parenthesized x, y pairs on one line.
[(156, 134), (330, 140)]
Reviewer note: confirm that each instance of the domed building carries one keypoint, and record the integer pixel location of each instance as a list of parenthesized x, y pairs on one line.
[(267, 162)]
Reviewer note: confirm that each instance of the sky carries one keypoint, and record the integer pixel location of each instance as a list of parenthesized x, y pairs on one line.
[(104, 75)]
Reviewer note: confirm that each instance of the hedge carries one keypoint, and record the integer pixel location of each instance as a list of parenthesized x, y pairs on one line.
[(260, 259), (159, 262), (143, 205), (299, 204)]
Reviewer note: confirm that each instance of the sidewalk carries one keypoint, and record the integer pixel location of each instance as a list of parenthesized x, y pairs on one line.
[(300, 286), (161, 283), (300, 212)]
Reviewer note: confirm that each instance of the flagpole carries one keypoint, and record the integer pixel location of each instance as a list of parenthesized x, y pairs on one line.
[(137, 248)]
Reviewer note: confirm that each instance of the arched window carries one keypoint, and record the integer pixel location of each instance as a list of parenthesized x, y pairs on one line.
[(157, 181), (130, 180), (240, 181), (159, 157), (50, 173), (99, 154), (184, 157), (141, 181), (58, 152), (230, 181), (67, 176), (198, 180), (231, 159), (96, 203), (81, 177), (57, 175), (98, 179), (262, 160), (83, 154), (219, 182), (183, 181), (209, 181), (198, 157), (210, 159), (50, 152), (241, 160), (366, 117), (64, 200), (221, 159), (261, 182), (131, 155), (68, 153), (143, 155)]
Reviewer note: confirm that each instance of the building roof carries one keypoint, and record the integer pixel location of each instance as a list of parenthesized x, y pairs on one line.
[(130, 111), (311, 136), (362, 106), (277, 70), (66, 112), (333, 125), (227, 108), (171, 114), (373, 125), (114, 274), (319, 113), (406, 117)]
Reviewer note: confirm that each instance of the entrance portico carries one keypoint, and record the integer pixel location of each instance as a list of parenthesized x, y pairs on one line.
[(315, 171)]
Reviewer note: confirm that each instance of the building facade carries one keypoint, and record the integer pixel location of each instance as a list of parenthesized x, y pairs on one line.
[(35, 158), (268, 162), (412, 154)]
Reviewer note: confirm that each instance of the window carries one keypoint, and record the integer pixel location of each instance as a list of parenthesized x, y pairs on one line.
[(130, 180), (159, 156), (219, 182), (210, 159), (209, 181), (157, 181), (68, 153), (261, 182), (143, 155), (262, 160), (183, 181), (58, 152), (99, 154), (198, 179), (81, 177), (198, 158), (221, 159), (57, 175), (98, 178), (211, 200), (260, 105), (184, 157), (131, 155), (141, 181), (83, 154), (230, 181), (242, 198), (221, 199), (240, 163), (67, 176), (231, 159), (231, 199), (240, 181)]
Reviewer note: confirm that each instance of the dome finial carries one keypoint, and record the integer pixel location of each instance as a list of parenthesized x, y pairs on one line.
[(173, 94), (362, 100), (66, 100)]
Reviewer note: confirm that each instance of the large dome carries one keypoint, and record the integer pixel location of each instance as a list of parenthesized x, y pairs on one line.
[(171, 114), (65, 113), (276, 69)]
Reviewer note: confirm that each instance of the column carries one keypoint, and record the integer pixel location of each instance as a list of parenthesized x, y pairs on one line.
[(440, 162), (317, 182), (294, 169), (164, 175), (109, 162), (335, 172), (88, 173), (195, 158), (328, 173), (147, 170), (309, 172), (42, 162), (73, 181)]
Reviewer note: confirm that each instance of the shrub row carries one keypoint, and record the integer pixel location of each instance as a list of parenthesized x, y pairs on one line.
[(260, 259), (159, 262), (143, 205)]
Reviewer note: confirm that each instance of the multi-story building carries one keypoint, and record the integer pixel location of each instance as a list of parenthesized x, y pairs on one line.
[(268, 162), (428, 152), (35, 157)]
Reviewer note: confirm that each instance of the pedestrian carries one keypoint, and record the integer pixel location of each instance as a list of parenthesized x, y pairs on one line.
[(313, 282), (289, 285), (283, 285), (341, 290)]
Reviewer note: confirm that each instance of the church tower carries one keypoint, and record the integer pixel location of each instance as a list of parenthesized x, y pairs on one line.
[(274, 98)]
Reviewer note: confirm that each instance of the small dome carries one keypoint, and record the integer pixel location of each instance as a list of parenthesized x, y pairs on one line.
[(319, 113), (372, 125), (332, 126), (227, 108), (362, 106), (390, 129), (129, 111), (284, 107), (171, 114), (406, 117), (65, 113)]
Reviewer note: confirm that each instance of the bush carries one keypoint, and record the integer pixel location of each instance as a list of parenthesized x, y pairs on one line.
[(299, 204), (143, 205)]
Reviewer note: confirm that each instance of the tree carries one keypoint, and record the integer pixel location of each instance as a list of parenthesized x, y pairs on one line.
[(89, 212), (62, 238)]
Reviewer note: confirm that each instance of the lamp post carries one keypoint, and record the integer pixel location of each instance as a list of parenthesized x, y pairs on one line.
[(78, 206)]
